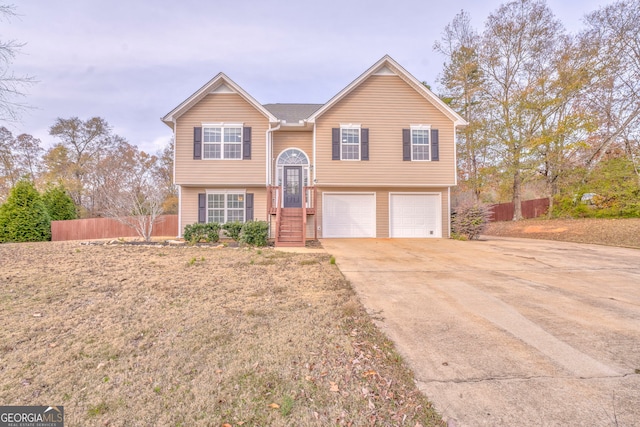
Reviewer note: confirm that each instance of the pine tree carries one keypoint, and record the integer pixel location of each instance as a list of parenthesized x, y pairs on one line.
[(58, 203), (24, 217)]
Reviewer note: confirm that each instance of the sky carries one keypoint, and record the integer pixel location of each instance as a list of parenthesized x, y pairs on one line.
[(132, 61)]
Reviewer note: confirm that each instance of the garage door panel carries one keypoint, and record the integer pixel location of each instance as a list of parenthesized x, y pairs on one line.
[(414, 215), (349, 215)]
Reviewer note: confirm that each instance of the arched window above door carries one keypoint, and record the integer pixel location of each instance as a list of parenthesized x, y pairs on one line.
[(292, 156)]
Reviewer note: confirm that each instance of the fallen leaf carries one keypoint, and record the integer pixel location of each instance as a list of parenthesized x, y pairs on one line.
[(369, 373), (218, 371), (274, 406), (334, 387), (226, 425)]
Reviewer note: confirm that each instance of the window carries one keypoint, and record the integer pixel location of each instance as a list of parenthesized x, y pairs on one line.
[(222, 142), (420, 142), (225, 207), (350, 143)]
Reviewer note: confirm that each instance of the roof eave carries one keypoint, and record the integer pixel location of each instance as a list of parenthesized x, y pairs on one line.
[(458, 121), (212, 84)]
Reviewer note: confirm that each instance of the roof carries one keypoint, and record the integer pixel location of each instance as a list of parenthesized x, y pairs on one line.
[(292, 113), (219, 84), (296, 114), (388, 66)]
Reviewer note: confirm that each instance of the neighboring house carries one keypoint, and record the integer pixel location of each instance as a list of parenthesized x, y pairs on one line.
[(377, 160)]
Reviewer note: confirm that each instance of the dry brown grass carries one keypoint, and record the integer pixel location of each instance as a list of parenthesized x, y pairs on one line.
[(159, 336), (623, 232)]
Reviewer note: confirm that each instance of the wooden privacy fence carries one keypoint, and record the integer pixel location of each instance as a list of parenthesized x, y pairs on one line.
[(107, 228), (530, 209)]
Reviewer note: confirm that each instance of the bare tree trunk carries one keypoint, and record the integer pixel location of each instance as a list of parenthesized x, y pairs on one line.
[(517, 196)]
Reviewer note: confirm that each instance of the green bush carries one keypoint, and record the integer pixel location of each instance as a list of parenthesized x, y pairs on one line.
[(23, 217), (233, 229), (58, 203), (470, 220), (616, 192), (255, 233), (208, 232)]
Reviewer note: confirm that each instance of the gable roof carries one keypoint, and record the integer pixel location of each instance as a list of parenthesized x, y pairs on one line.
[(296, 113), (219, 84), (388, 66), (292, 113)]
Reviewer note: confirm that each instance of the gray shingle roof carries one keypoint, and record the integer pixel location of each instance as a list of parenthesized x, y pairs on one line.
[(292, 113)]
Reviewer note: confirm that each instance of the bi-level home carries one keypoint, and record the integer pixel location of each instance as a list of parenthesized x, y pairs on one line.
[(377, 160)]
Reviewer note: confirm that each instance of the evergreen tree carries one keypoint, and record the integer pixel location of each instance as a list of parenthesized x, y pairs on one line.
[(58, 203), (24, 218)]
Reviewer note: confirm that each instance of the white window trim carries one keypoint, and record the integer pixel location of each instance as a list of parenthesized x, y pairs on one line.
[(226, 192), (222, 127), (420, 127), (359, 128), (306, 168)]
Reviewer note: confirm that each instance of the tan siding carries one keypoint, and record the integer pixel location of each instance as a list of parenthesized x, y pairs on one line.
[(189, 205), (382, 205), (385, 105), (216, 108)]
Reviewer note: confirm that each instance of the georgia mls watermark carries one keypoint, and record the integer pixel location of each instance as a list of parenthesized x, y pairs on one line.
[(31, 416)]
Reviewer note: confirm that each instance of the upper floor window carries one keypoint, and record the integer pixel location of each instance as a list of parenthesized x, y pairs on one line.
[(420, 142), (222, 142), (350, 143)]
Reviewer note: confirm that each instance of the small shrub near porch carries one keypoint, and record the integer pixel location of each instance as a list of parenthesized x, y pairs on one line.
[(252, 233), (196, 233)]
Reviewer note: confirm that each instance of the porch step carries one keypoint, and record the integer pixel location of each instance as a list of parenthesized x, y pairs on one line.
[(290, 232)]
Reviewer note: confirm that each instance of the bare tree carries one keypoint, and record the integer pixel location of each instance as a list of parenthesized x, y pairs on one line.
[(462, 80), (12, 86), (137, 198), (82, 144), (19, 159), (518, 49), (614, 35)]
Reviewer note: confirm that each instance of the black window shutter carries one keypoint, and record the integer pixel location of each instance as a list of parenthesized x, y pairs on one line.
[(335, 144), (364, 144), (435, 146), (248, 206), (197, 143), (202, 207), (246, 143), (406, 145)]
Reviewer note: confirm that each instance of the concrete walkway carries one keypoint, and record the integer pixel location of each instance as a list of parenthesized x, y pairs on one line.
[(508, 332)]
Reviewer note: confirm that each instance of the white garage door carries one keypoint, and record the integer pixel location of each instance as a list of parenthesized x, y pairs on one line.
[(348, 215), (415, 215)]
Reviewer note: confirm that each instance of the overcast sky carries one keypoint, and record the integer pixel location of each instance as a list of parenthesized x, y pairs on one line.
[(133, 61)]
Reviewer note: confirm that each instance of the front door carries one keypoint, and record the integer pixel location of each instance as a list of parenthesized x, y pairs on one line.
[(292, 187)]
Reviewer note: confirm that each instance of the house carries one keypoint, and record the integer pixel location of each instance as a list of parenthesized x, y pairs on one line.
[(377, 160)]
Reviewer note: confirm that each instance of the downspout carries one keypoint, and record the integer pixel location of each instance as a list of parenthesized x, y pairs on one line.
[(449, 213), (455, 155), (269, 142), (175, 147), (314, 154)]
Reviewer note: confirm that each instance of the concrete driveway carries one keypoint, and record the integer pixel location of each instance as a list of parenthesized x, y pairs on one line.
[(509, 332)]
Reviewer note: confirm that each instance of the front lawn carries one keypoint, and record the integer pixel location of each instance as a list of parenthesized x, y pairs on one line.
[(124, 335)]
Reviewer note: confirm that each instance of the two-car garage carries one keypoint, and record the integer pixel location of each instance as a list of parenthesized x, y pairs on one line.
[(356, 214)]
